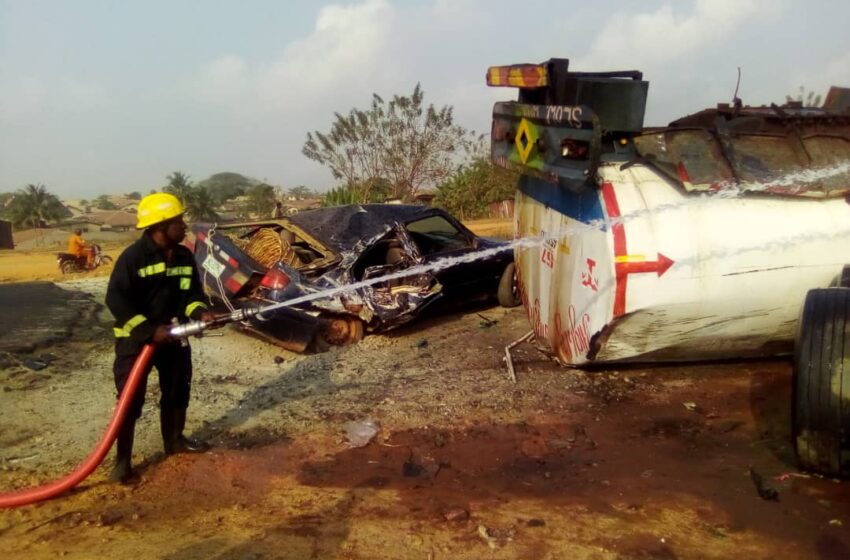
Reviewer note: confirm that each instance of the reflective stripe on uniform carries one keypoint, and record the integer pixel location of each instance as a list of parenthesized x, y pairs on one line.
[(185, 283), (179, 271), (152, 269), (193, 306), (129, 326)]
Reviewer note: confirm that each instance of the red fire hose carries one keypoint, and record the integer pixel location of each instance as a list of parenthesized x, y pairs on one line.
[(53, 489)]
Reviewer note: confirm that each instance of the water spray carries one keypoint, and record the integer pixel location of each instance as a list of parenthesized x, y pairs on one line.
[(197, 328), (727, 191)]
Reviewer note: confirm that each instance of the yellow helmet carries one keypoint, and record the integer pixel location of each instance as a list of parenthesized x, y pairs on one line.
[(156, 208)]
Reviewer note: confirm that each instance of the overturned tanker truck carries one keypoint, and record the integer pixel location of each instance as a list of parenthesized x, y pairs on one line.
[(724, 234)]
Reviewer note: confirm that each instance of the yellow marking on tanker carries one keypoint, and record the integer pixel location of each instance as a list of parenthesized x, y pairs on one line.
[(525, 140), (630, 258), (564, 247)]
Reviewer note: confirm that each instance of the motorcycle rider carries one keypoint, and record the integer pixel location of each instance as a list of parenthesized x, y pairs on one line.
[(77, 247), (154, 280)]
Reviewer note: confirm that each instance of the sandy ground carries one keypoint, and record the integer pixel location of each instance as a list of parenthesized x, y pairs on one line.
[(625, 463), (26, 266)]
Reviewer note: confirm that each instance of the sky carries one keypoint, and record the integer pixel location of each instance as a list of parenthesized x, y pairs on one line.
[(102, 96)]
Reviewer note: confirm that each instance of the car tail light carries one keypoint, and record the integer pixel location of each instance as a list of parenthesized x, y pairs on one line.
[(275, 279), (684, 176)]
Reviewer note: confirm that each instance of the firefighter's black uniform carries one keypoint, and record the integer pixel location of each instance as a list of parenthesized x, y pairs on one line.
[(145, 291)]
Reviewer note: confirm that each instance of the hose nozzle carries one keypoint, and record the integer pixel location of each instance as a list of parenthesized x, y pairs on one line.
[(196, 328)]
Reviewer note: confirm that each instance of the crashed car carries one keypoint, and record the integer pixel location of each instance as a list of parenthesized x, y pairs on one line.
[(264, 262)]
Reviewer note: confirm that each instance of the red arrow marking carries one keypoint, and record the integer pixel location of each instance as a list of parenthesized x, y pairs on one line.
[(660, 266), (623, 269)]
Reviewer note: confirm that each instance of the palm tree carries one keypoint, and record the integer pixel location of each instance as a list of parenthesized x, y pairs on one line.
[(201, 206), (180, 186), (34, 206)]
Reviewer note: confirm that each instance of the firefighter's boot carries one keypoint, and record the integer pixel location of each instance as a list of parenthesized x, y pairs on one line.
[(172, 422), (123, 469)]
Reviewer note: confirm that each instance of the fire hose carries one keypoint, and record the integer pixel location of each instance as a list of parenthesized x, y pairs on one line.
[(140, 368)]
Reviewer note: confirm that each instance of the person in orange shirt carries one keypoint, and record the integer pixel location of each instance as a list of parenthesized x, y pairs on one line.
[(77, 247)]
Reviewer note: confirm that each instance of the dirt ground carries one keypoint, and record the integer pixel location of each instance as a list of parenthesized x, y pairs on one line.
[(615, 463)]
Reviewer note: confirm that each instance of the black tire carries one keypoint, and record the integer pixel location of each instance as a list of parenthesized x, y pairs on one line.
[(508, 294), (820, 416), (105, 260), (67, 267)]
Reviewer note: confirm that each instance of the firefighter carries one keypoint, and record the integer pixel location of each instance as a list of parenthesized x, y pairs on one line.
[(154, 281)]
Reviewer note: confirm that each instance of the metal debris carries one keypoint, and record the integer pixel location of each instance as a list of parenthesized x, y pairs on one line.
[(508, 361)]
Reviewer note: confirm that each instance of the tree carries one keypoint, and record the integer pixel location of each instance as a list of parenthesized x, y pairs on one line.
[(227, 185), (5, 198), (201, 206), (300, 192), (180, 186), (402, 141), (476, 185), (809, 99), (35, 206), (261, 200), (378, 191), (135, 195), (103, 203)]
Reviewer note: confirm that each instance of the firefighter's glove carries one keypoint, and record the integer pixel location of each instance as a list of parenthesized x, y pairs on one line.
[(162, 334), (209, 317)]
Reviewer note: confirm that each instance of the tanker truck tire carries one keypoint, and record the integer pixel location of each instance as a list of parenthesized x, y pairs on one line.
[(508, 293), (821, 383)]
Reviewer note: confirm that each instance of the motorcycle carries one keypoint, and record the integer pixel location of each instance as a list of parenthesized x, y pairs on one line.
[(69, 263)]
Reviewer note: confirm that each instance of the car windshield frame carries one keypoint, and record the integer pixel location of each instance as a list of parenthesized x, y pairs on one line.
[(458, 232)]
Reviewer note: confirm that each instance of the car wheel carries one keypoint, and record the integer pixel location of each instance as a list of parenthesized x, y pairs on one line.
[(821, 417), (508, 294), (342, 331)]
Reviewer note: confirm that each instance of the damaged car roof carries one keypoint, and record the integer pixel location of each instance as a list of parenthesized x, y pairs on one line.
[(341, 228)]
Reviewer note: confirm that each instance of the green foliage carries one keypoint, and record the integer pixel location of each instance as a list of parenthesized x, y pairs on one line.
[(5, 198), (180, 186), (377, 190), (201, 206), (808, 99), (226, 186), (135, 195), (404, 142), (261, 200), (340, 196), (103, 203), (300, 192), (33, 206), (476, 185)]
